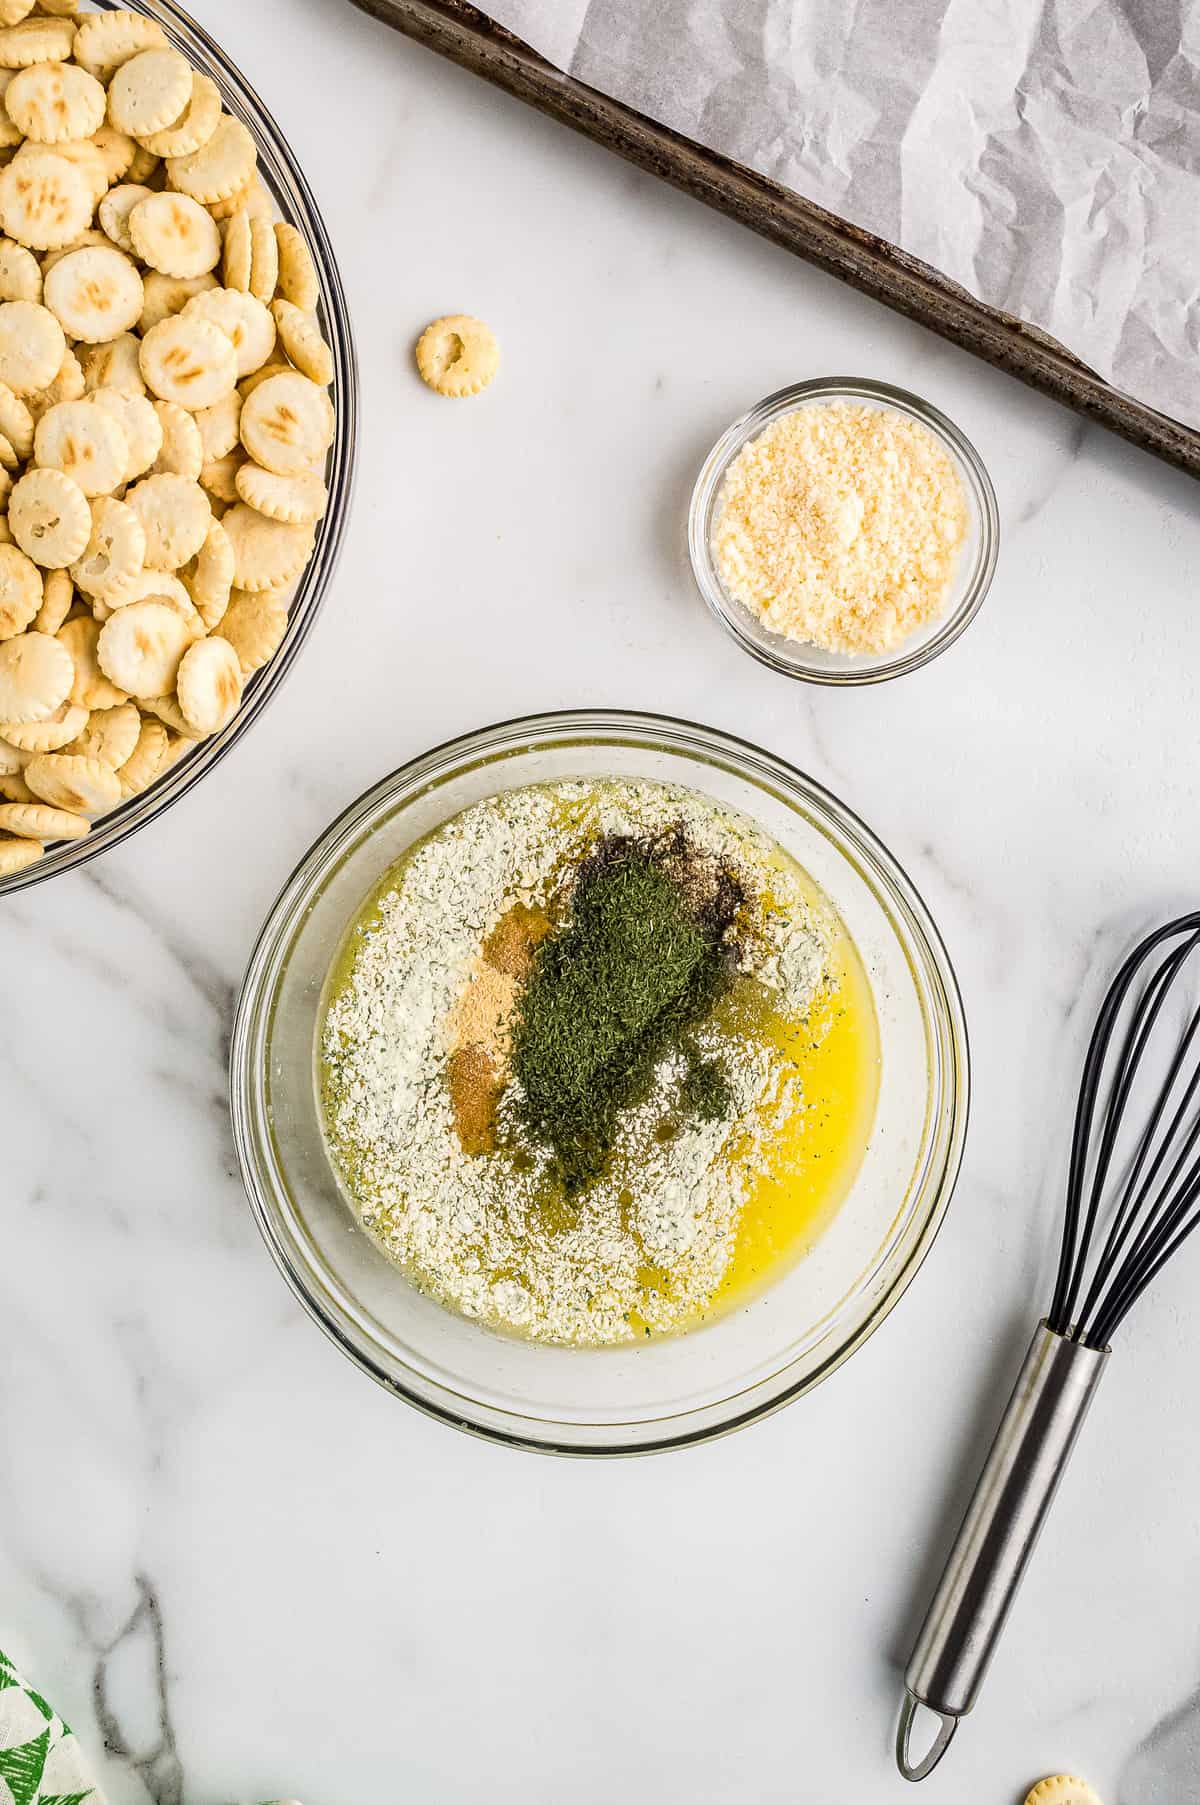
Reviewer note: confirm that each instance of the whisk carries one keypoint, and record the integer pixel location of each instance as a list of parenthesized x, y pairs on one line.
[(1133, 1198)]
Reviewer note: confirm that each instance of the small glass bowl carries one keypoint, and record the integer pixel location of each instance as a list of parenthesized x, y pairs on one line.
[(281, 175), (627, 1399), (796, 658)]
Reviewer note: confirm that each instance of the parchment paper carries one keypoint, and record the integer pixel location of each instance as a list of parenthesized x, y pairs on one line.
[(1045, 154)]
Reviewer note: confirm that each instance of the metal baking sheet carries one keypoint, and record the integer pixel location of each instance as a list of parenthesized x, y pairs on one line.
[(469, 37)]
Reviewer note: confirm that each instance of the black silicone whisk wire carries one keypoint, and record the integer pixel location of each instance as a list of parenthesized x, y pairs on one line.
[(1133, 1186)]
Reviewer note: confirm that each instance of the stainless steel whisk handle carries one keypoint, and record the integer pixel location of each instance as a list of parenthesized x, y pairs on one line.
[(1016, 1488)]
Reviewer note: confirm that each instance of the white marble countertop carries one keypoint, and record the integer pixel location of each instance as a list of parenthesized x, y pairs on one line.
[(224, 1554)]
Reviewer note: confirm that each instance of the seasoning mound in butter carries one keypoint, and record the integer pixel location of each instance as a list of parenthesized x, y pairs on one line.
[(595, 1059)]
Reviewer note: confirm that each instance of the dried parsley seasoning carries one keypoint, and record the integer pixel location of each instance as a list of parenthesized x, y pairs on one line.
[(704, 1089), (646, 951)]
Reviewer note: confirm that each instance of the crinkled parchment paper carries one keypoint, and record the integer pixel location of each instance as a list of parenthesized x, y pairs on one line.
[(1045, 154)]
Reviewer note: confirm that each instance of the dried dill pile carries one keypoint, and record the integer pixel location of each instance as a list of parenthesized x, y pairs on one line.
[(645, 953)]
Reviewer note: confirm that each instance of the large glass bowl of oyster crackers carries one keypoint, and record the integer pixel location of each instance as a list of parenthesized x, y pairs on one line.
[(232, 218)]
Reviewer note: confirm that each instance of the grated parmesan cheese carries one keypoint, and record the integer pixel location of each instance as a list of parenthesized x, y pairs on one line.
[(841, 525)]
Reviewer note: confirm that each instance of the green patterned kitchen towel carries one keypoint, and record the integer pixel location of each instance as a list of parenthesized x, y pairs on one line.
[(40, 1761)]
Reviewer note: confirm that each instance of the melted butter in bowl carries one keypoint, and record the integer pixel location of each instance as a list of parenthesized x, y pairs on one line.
[(778, 1273), (719, 1071), (836, 1054)]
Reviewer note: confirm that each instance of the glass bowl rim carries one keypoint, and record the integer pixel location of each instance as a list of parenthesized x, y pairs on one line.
[(982, 498), (240, 98), (950, 1098)]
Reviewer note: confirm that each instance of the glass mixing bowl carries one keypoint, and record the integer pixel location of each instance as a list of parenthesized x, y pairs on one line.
[(972, 575), (662, 1393), (293, 200)]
